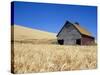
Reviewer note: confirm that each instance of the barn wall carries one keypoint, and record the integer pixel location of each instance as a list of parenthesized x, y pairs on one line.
[(69, 34), (87, 40), (70, 42)]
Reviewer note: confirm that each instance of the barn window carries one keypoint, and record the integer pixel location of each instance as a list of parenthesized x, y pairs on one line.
[(61, 41), (78, 41)]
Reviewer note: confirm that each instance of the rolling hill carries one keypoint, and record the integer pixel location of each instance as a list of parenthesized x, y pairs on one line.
[(25, 33)]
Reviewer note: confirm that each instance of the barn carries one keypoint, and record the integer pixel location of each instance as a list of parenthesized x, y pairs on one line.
[(74, 34)]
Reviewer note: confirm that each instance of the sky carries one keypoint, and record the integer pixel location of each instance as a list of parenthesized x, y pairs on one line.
[(51, 17)]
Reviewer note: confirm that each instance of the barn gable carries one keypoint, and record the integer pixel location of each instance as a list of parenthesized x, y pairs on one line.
[(68, 29), (73, 34), (80, 29)]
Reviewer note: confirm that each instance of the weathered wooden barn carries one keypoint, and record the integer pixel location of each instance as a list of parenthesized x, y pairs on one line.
[(74, 34)]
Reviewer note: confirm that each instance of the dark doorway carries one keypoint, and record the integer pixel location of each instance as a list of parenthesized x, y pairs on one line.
[(61, 42), (78, 41)]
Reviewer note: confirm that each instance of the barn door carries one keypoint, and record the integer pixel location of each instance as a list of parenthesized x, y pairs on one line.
[(78, 41), (61, 41)]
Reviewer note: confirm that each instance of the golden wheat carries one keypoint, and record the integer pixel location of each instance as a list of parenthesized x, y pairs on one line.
[(45, 58)]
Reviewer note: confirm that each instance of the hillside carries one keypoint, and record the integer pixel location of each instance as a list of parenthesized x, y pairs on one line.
[(24, 33)]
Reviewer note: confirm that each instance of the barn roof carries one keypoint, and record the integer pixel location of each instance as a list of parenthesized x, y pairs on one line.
[(82, 30), (79, 28)]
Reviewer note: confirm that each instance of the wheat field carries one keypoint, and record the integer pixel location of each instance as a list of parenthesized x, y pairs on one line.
[(28, 57)]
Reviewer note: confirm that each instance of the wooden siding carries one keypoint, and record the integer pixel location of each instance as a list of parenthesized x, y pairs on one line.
[(86, 40), (69, 34)]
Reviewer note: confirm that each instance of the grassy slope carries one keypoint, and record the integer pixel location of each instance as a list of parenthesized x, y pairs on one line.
[(21, 33)]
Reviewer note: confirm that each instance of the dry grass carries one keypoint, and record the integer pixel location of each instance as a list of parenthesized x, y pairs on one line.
[(45, 58), (23, 33), (30, 57)]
